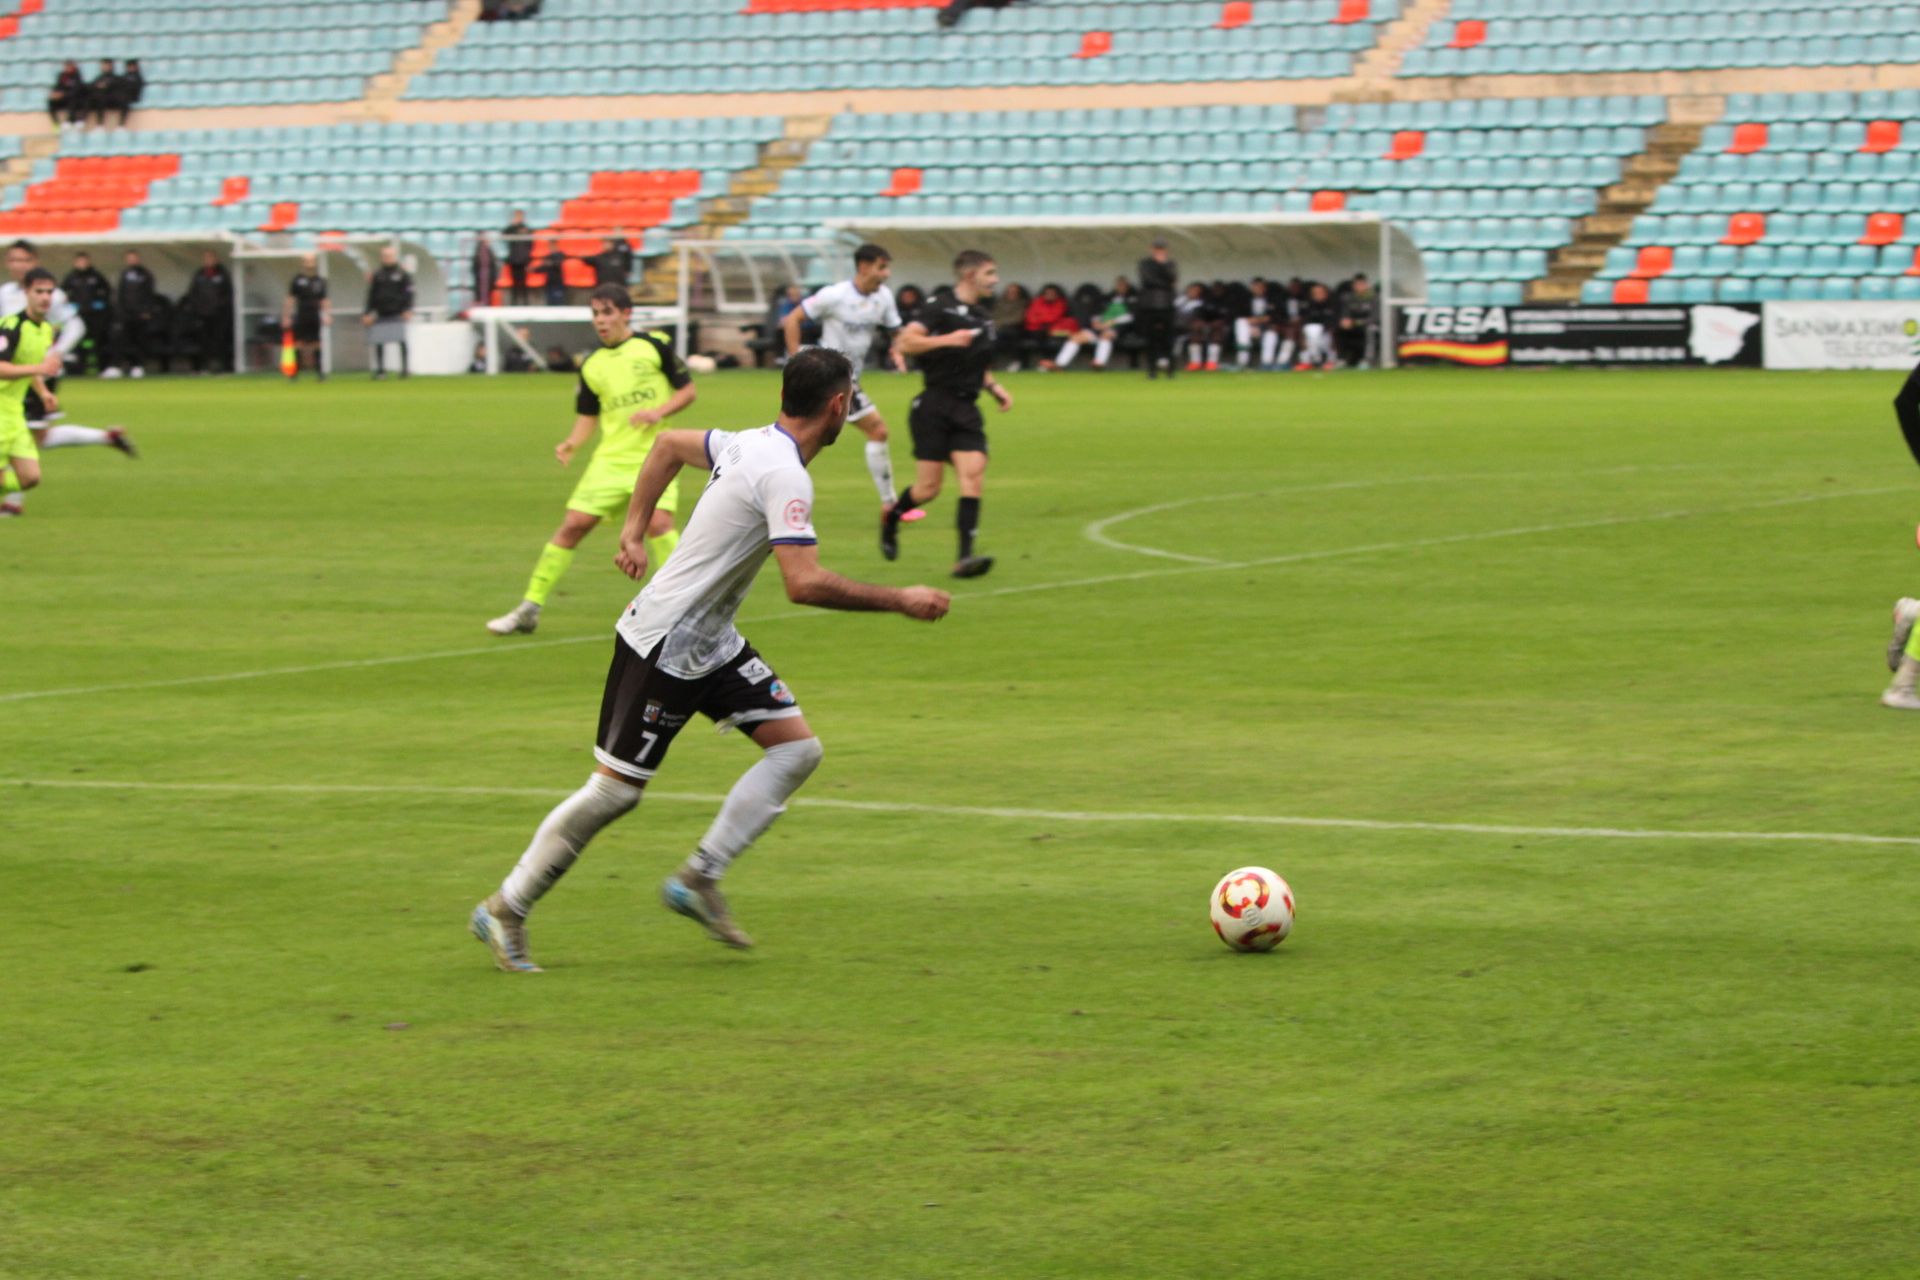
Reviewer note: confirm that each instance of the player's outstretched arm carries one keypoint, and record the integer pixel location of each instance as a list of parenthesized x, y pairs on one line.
[(671, 451), (808, 583), (915, 340), (583, 425)]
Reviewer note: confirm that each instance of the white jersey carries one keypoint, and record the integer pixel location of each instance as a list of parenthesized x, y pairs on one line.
[(61, 314), (759, 497), (848, 317)]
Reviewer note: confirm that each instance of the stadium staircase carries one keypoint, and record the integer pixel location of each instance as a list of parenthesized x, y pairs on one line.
[(1643, 175), (1376, 68), (389, 87), (660, 282)]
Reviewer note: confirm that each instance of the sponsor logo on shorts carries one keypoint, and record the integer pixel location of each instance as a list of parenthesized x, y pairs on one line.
[(652, 714), (781, 694), (796, 514), (753, 671)]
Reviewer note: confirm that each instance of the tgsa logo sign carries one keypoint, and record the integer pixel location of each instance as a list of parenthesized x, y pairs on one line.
[(1452, 322)]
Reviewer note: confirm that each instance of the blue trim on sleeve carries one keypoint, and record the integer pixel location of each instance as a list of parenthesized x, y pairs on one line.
[(793, 542)]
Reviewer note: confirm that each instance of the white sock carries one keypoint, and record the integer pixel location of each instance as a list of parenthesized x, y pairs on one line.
[(880, 467), (1193, 353), (558, 842), (1286, 351), (64, 437), (1269, 343), (1101, 350), (1067, 353), (755, 801), (1213, 353)]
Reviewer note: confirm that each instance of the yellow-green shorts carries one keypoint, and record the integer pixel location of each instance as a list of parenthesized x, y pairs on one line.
[(606, 491), (15, 440)]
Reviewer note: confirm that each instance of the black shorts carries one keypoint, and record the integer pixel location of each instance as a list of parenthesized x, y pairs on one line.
[(644, 707), (306, 328), (36, 408), (943, 426)]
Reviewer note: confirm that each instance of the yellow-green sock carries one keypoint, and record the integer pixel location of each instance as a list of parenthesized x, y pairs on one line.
[(547, 571), (1913, 645), (9, 482), (658, 549)]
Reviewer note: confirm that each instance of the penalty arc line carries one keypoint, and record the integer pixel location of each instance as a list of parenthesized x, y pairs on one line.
[(1297, 557), (992, 811)]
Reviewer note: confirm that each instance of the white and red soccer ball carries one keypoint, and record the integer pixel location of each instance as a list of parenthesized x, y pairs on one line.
[(1252, 909)]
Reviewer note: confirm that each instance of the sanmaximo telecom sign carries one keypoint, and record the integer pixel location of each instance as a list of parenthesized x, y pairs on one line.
[(1842, 335)]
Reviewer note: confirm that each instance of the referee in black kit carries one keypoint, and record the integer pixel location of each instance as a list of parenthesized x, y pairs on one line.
[(953, 338)]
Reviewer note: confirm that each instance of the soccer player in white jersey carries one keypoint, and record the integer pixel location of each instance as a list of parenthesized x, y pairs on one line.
[(848, 313), (64, 316), (676, 652)]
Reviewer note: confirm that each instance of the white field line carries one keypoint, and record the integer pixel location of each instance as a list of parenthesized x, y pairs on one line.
[(982, 811), (1298, 557)]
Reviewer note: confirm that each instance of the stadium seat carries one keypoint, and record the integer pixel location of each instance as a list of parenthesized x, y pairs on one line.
[(1630, 292), (1747, 139), (283, 217), (905, 182), (1882, 136), (1654, 260), (1745, 228), (1407, 143), (1095, 44), (1351, 11), (1884, 228), (1235, 13), (1328, 201), (1468, 33)]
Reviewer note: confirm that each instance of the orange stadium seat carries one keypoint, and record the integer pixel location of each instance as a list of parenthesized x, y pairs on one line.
[(9, 27), (1882, 136), (1351, 11), (1235, 13), (1655, 260), (1745, 228), (1467, 33), (284, 215), (1913, 268), (1407, 143), (1884, 228), (1629, 292), (1747, 139), (233, 191), (905, 182), (1328, 201), (1094, 44), (824, 6)]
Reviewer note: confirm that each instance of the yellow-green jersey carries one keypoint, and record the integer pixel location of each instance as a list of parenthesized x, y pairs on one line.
[(22, 341), (616, 382)]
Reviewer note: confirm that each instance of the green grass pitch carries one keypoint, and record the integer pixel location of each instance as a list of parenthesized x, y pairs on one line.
[(243, 1031)]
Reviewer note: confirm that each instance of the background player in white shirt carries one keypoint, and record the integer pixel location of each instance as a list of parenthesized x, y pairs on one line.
[(848, 313), (676, 651), (64, 316)]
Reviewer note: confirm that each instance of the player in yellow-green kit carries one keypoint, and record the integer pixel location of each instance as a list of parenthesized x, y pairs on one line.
[(26, 362), (632, 384)]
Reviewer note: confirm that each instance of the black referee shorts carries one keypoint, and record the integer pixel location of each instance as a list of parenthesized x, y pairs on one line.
[(945, 425)]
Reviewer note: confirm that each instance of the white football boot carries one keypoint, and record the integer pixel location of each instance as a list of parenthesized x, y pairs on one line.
[(504, 933), (521, 619), (698, 898)]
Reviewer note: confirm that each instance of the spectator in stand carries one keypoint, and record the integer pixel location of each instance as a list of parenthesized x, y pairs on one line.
[(103, 95), (90, 295), (1359, 312), (1203, 319), (1103, 330), (1048, 320), (909, 298), (614, 263), (209, 307), (137, 304), (1009, 324), (560, 360), (553, 270), (388, 309), (519, 239), (1154, 310), (1317, 316), (767, 338), (486, 270), (131, 85), (67, 103), (954, 10)]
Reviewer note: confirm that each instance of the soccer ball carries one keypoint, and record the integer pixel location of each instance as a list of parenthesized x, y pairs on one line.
[(1252, 909)]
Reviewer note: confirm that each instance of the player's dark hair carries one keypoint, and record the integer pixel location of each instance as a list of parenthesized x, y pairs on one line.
[(35, 276), (615, 295), (870, 253), (25, 246), (969, 260), (811, 379)]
